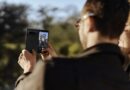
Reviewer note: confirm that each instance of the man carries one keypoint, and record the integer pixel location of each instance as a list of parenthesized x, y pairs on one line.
[(124, 43), (99, 67)]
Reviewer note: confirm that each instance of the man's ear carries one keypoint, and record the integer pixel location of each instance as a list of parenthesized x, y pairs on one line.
[(91, 24)]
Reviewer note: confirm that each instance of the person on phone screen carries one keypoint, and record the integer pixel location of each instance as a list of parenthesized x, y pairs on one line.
[(99, 67), (42, 41)]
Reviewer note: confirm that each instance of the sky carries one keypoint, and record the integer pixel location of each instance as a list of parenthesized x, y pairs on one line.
[(58, 3), (36, 4)]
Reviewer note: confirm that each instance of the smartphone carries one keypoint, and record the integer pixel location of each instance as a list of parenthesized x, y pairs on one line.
[(36, 40)]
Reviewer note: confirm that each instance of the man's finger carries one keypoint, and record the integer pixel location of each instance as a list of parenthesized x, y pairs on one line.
[(26, 53), (33, 52), (20, 57)]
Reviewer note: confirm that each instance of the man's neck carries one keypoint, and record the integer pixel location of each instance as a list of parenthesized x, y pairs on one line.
[(97, 39)]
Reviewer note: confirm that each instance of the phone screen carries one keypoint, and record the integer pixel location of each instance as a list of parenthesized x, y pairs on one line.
[(36, 39)]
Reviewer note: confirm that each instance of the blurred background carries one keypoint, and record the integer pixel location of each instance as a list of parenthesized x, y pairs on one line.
[(57, 16)]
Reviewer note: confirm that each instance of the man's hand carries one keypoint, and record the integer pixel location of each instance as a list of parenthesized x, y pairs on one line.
[(27, 60), (48, 53)]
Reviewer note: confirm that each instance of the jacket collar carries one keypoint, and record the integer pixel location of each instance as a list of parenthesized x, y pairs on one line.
[(104, 48)]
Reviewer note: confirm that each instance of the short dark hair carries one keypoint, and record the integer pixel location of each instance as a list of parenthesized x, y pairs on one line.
[(110, 16)]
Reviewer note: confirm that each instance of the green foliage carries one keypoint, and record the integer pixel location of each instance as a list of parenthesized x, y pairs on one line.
[(62, 33), (13, 21)]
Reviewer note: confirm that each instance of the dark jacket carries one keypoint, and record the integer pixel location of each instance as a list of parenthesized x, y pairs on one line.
[(98, 68), (126, 65)]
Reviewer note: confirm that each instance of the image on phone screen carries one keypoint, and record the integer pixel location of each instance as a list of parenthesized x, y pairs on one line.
[(36, 39), (43, 40)]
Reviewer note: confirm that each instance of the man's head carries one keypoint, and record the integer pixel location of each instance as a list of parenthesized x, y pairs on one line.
[(106, 17), (43, 37), (124, 41)]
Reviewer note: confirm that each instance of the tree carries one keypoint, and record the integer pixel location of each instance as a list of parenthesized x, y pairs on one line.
[(13, 21), (62, 32)]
